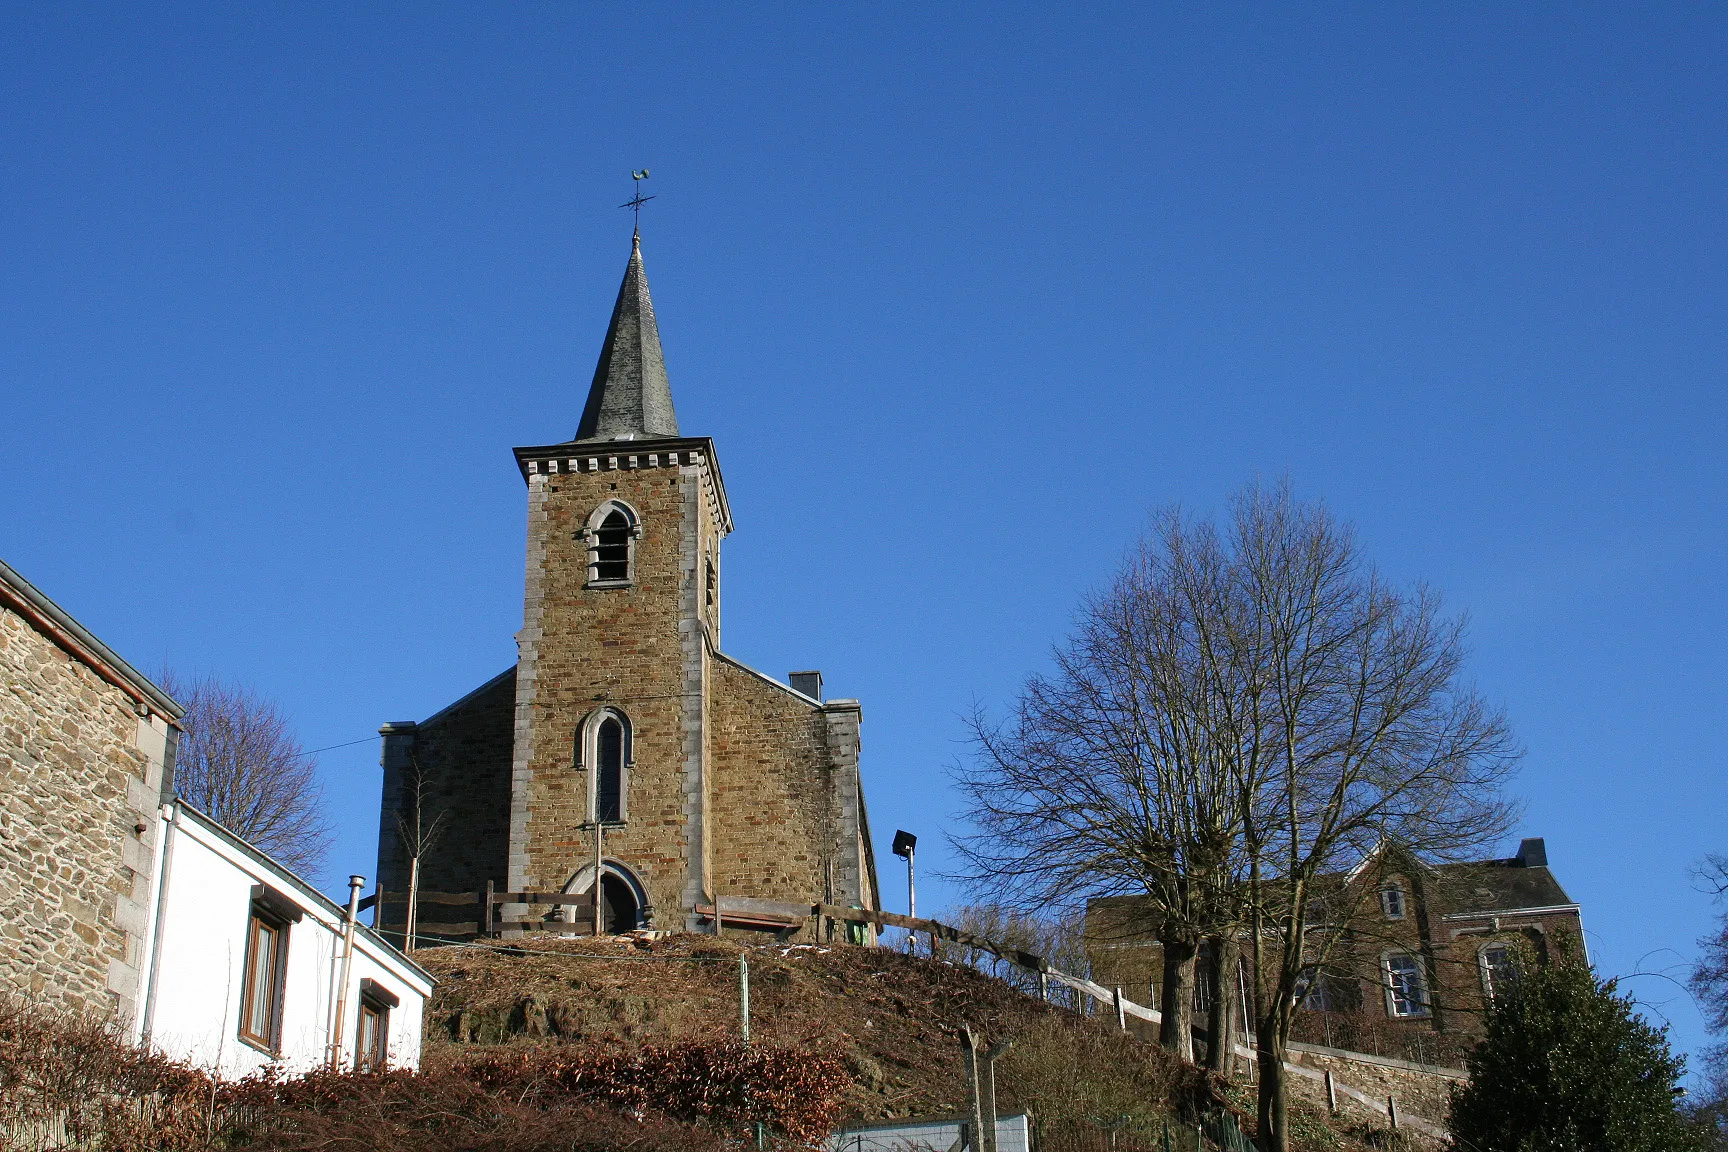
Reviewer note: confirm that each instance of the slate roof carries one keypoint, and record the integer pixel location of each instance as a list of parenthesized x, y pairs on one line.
[(631, 398), (1501, 886), (78, 641)]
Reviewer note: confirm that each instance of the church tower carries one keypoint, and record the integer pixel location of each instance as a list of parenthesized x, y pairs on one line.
[(624, 731)]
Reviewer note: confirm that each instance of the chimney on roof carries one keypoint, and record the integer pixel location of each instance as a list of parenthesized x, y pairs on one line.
[(809, 683), (1532, 853)]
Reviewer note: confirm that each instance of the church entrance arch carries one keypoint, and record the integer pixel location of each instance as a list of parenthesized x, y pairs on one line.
[(623, 899)]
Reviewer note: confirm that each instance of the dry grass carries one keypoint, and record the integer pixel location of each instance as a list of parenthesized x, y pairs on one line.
[(892, 1019)]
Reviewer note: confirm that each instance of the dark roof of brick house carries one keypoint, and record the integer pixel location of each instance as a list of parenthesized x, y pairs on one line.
[(631, 398), (1502, 886), (1479, 886)]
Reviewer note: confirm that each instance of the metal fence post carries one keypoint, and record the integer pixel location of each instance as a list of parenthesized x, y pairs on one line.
[(969, 1042), (744, 995)]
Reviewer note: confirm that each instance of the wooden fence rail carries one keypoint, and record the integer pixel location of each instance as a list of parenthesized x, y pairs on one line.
[(488, 920)]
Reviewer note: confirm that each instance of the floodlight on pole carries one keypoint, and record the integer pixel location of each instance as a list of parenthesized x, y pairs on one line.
[(904, 845)]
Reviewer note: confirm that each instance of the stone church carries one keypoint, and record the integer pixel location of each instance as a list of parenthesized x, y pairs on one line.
[(622, 721)]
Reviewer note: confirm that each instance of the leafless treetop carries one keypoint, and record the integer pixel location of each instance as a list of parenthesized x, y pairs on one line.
[(240, 763)]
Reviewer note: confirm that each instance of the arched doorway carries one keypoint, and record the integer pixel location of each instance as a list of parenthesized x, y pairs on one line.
[(623, 899), (619, 910)]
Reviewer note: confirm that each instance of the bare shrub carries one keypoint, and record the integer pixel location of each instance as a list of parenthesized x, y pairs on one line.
[(402, 1111), (69, 1081)]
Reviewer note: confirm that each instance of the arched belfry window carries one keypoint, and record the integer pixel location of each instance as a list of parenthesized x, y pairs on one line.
[(605, 750), (611, 535)]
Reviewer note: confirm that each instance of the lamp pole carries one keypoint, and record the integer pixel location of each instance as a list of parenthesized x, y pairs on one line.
[(911, 886), (906, 844)]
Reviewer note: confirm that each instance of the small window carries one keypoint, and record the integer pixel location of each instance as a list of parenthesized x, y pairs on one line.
[(1313, 989), (1406, 990), (1392, 902), (709, 578), (261, 986), (612, 552), (372, 1053), (1499, 970), (1203, 989)]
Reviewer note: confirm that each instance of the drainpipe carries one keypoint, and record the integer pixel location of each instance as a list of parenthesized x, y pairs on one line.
[(170, 823), (355, 883)]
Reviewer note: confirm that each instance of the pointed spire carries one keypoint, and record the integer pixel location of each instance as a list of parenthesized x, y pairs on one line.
[(631, 398)]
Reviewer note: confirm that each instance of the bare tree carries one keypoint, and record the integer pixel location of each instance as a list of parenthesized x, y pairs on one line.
[(1117, 775), (239, 763), (1242, 714), (1365, 734), (418, 835), (1059, 941)]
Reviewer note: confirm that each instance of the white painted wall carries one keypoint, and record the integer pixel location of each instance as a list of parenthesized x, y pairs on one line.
[(1013, 1134), (193, 961)]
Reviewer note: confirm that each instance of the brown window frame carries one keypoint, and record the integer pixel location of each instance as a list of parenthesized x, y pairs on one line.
[(269, 1036), (376, 1001)]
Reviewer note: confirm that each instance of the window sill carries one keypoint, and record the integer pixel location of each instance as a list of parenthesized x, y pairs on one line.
[(259, 1046), (609, 584)]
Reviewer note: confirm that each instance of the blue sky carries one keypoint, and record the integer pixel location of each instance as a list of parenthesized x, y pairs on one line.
[(960, 291)]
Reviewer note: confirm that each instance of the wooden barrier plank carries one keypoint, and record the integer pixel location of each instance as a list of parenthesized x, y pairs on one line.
[(750, 906), (567, 899), (400, 899)]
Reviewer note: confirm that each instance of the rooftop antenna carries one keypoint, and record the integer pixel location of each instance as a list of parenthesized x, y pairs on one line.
[(635, 202)]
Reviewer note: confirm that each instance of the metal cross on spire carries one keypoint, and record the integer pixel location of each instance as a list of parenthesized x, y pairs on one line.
[(635, 203)]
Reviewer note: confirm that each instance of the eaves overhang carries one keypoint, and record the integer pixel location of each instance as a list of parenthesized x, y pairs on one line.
[(1548, 910), (81, 644), (576, 456)]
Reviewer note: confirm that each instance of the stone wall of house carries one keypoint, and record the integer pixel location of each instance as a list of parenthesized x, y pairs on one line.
[(770, 786), (79, 772), (463, 756)]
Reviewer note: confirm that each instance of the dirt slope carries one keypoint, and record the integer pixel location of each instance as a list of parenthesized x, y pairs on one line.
[(894, 1019)]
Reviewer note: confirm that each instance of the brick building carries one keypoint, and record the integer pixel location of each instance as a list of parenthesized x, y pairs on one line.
[(86, 754), (623, 721), (1397, 941)]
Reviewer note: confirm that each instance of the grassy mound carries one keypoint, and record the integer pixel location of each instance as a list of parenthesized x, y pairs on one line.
[(892, 1020)]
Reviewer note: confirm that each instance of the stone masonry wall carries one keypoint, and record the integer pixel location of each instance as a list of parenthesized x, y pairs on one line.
[(591, 647), (79, 770), (463, 754), (1420, 1090), (770, 787)]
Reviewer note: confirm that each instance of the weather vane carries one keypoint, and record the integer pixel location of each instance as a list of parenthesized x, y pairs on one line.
[(638, 200)]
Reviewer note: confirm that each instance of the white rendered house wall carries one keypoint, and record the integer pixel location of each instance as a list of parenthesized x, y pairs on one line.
[(195, 960)]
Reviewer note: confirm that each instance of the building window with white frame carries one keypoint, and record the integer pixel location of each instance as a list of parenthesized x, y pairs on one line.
[(1313, 989), (605, 749), (1406, 988), (1499, 969), (1392, 902), (611, 536), (372, 1031), (265, 968)]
